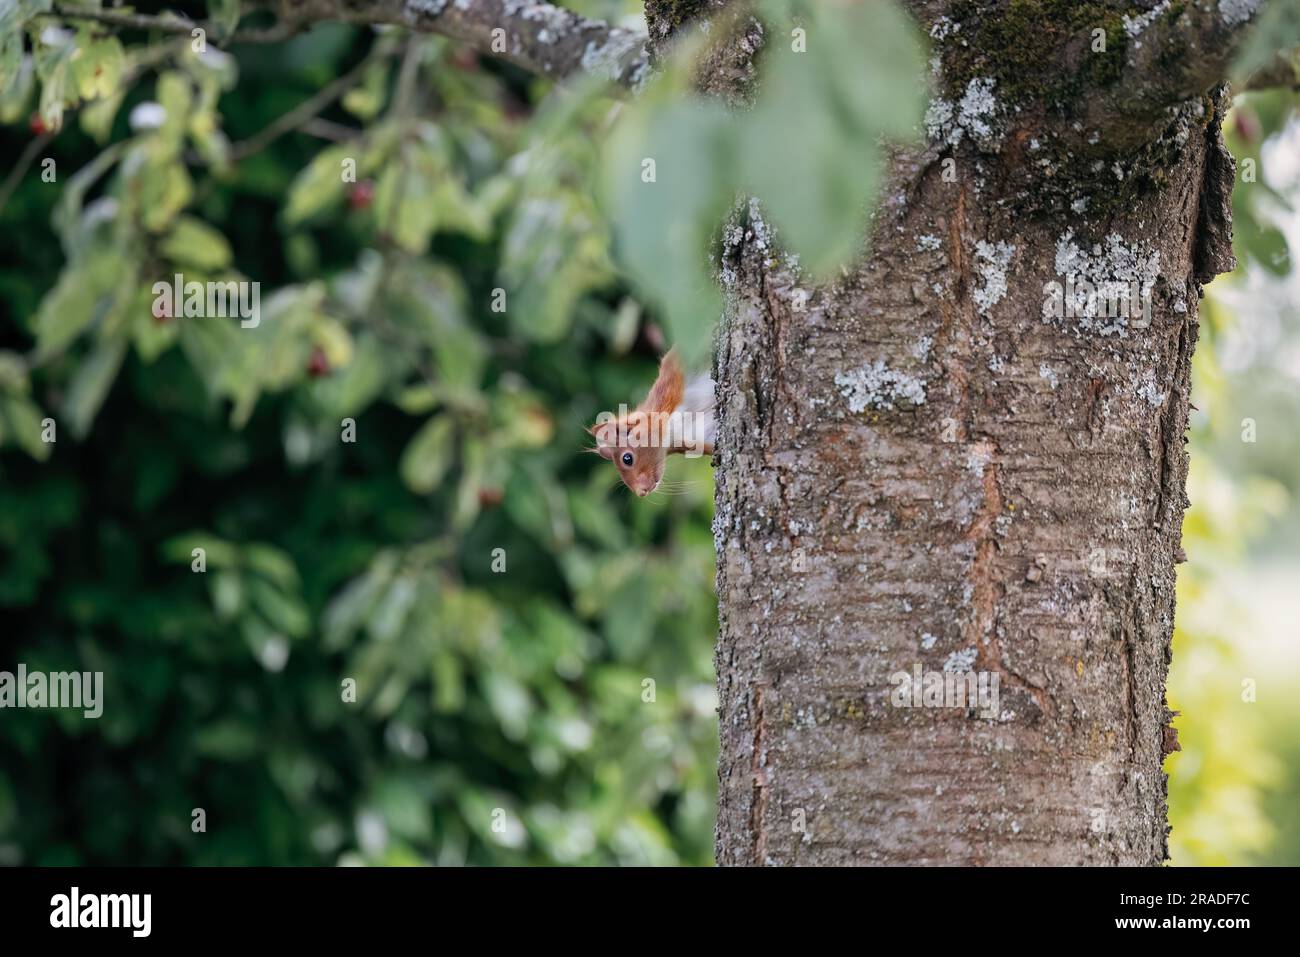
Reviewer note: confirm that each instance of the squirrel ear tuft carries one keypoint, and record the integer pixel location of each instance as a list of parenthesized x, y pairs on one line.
[(669, 388)]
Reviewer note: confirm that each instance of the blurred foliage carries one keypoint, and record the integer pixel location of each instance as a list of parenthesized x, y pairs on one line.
[(838, 82), (500, 603), (1276, 31), (1235, 678), (1257, 239)]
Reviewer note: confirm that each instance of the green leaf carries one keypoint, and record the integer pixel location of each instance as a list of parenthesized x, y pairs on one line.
[(164, 192), (12, 13), (11, 55), (431, 303), (14, 378), (319, 186), (90, 386), (224, 15), (17, 80), (448, 683), (428, 455), (811, 147), (20, 425), (220, 356), (367, 99), (422, 192), (404, 808), (794, 159), (404, 205), (1277, 31), (285, 612), (176, 96), (666, 184), (54, 89), (273, 564), (392, 610), (509, 701), (536, 504), (150, 336), (1266, 245), (474, 470), (218, 552), (68, 218), (97, 118), (458, 211), (351, 389), (76, 301), (193, 242), (230, 739), (227, 594), (347, 610), (97, 67)]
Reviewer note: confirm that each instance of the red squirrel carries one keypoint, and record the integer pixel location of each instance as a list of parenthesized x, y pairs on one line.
[(676, 416)]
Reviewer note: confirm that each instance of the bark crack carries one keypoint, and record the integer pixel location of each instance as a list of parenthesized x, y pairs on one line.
[(1212, 254), (986, 587), (758, 802), (1171, 438), (954, 368)]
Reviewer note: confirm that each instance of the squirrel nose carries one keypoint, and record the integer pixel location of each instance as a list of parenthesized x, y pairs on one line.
[(643, 492)]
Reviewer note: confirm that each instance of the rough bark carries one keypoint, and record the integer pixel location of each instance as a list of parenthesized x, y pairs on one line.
[(982, 489), (537, 36)]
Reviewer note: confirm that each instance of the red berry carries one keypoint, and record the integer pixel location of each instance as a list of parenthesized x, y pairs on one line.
[(465, 58), (1247, 124), (318, 365), (362, 194), (37, 124), (513, 108), (490, 496)]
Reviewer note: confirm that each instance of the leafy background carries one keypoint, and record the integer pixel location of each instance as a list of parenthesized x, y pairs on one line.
[(1235, 786), (521, 691), (517, 697)]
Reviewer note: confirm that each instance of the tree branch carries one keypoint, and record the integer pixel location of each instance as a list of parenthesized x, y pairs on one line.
[(301, 114), (1282, 72), (539, 37), (19, 170), (1180, 55), (168, 23), (536, 36)]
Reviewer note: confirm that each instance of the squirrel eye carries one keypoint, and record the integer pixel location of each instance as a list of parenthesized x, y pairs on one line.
[(627, 458)]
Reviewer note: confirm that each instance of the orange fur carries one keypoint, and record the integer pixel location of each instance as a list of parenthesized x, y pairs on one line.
[(666, 394)]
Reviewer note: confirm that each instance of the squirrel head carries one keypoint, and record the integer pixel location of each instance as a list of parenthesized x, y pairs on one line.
[(637, 446)]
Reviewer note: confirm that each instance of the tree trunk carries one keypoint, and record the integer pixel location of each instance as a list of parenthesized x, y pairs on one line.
[(918, 470)]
